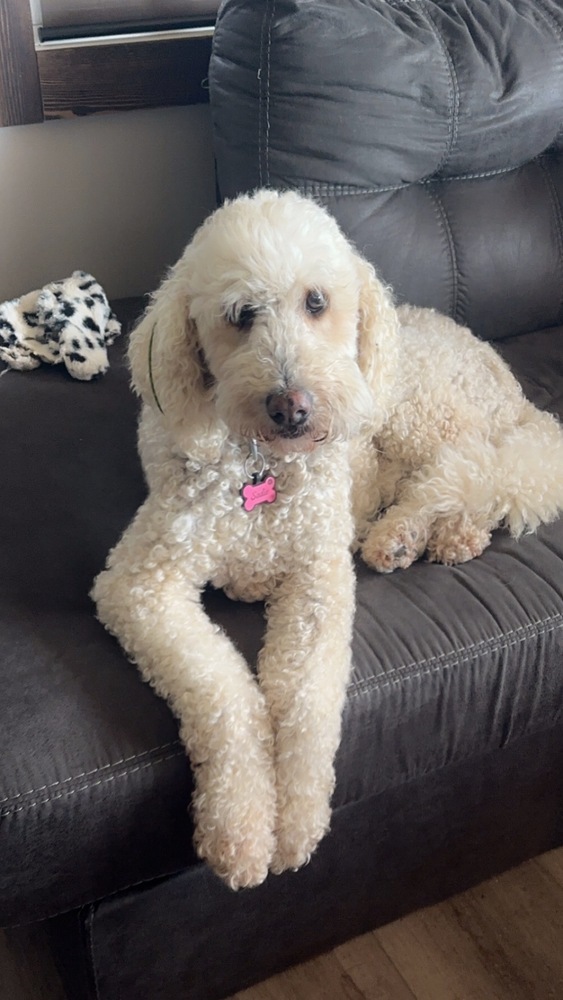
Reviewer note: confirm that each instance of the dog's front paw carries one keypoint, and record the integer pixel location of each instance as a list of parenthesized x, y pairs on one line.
[(298, 836), (303, 815), (234, 816), (240, 855), (392, 546)]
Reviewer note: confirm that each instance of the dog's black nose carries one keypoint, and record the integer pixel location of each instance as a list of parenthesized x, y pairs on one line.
[(289, 410)]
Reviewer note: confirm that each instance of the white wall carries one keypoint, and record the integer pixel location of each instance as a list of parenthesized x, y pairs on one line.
[(118, 195)]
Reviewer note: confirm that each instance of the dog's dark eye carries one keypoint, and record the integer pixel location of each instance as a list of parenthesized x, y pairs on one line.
[(242, 318), (315, 302)]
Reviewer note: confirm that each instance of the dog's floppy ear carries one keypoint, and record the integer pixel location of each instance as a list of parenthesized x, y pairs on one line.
[(378, 333), (167, 366)]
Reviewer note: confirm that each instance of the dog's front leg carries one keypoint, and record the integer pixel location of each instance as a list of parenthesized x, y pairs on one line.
[(304, 669), (158, 618)]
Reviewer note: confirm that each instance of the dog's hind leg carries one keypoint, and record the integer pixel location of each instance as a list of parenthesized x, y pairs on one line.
[(529, 471), (145, 599), (304, 669), (447, 505), (470, 488), (457, 539)]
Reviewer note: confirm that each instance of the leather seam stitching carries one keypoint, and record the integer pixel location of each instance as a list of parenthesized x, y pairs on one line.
[(328, 188), (264, 123), (268, 91), (89, 774), (444, 222), (444, 661), (4, 813), (453, 97), (261, 93)]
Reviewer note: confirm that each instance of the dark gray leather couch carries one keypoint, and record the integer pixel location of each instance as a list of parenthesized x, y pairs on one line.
[(433, 131)]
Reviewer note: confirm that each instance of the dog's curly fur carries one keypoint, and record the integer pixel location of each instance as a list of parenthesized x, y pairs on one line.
[(417, 438)]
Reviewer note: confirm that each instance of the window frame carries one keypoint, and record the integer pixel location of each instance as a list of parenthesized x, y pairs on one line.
[(88, 75)]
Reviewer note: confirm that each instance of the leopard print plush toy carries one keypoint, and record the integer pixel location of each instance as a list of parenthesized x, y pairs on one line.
[(68, 321)]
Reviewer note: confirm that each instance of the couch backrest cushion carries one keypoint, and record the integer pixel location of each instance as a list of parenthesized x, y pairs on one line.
[(432, 130)]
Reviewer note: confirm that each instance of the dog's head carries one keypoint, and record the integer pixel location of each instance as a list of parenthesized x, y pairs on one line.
[(272, 324)]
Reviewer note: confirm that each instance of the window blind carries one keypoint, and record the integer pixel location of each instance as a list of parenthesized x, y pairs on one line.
[(70, 18)]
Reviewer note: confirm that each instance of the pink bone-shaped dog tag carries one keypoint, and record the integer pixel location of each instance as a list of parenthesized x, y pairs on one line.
[(256, 493)]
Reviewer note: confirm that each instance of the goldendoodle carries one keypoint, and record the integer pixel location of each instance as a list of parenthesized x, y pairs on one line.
[(292, 413)]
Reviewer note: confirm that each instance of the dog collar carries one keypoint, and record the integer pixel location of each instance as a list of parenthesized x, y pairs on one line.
[(151, 378)]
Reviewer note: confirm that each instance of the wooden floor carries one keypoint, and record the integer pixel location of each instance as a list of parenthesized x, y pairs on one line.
[(500, 941)]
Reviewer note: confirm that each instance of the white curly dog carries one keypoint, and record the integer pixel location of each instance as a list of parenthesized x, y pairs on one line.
[(291, 412)]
